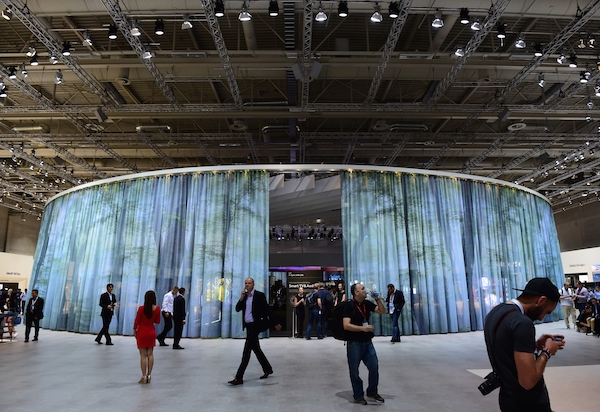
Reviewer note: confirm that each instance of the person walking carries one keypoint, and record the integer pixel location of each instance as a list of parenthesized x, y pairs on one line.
[(108, 302), (167, 314), (178, 317), (567, 305), (34, 312), (395, 301)]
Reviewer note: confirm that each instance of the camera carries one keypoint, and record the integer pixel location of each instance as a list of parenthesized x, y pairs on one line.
[(491, 383)]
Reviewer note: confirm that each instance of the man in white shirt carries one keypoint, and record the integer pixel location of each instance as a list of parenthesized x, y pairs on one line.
[(167, 313), (566, 303)]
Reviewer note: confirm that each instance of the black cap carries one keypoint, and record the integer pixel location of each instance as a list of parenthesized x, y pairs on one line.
[(542, 287)]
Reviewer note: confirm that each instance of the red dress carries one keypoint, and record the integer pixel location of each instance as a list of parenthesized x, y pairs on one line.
[(146, 334)]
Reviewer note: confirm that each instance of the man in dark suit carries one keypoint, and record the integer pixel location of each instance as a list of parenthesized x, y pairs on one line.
[(33, 313), (395, 302), (257, 317), (178, 318), (108, 302)]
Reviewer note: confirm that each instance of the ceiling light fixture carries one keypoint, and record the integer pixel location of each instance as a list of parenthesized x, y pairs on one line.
[(187, 24), (244, 13), (476, 25), (520, 43), (34, 61), (135, 29), (58, 79), (53, 59), (597, 89), (24, 71), (159, 27), (66, 50), (464, 16), (561, 59), (147, 54), (343, 9), (273, 8), (591, 43), (112, 32), (31, 52), (538, 50), (582, 77), (459, 51), (573, 61), (501, 31), (12, 72), (588, 118), (219, 8), (377, 17), (87, 39), (581, 44), (437, 22), (321, 16), (541, 80), (590, 104), (4, 91), (7, 13)]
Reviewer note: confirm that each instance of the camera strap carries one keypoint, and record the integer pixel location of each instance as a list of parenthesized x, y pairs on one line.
[(496, 332)]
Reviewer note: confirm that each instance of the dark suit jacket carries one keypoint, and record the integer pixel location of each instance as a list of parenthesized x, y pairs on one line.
[(398, 300), (38, 309), (105, 300), (179, 308), (261, 311)]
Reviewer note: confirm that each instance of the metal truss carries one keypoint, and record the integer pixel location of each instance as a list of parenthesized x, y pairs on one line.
[(581, 168), (483, 155), (529, 154), (16, 188), (487, 26), (80, 120), (217, 36), (307, 22), (168, 161), (397, 150), (252, 147), (113, 8), (563, 159), (21, 11), (26, 176), (132, 137), (573, 89), (388, 49), (207, 153), (591, 199), (583, 195)]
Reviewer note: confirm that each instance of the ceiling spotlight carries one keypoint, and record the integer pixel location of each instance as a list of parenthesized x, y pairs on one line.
[(135, 29), (591, 43), (541, 80), (476, 25), (590, 104), (66, 50), (321, 16), (520, 43), (377, 17), (159, 27), (273, 8), (219, 8), (459, 51), (597, 89), (561, 59), (112, 32), (588, 118), (147, 54), (588, 73), (12, 72), (31, 52), (187, 24), (502, 31), (244, 13), (581, 44), (7, 13), (23, 70), (573, 61), (464, 16), (437, 22), (4, 91), (53, 59), (343, 9), (537, 50), (87, 39), (58, 78), (34, 61), (583, 78)]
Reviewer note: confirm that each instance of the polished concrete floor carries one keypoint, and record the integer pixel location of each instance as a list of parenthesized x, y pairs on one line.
[(70, 372)]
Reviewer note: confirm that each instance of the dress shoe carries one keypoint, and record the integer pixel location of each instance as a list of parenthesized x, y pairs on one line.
[(108, 343), (98, 341), (362, 401), (177, 347), (236, 382), (376, 397), (161, 342), (34, 339), (266, 375), (26, 339)]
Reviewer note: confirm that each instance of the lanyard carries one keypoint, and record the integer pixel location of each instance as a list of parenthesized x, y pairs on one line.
[(362, 312)]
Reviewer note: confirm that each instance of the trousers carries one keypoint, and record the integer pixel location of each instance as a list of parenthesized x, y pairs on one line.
[(252, 344)]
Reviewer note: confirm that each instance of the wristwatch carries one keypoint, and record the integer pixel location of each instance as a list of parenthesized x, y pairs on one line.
[(545, 352)]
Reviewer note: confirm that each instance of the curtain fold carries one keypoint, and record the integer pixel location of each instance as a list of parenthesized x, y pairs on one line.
[(456, 248), (203, 231)]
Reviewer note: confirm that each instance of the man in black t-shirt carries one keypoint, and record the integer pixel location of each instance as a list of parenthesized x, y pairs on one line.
[(359, 346), (516, 357)]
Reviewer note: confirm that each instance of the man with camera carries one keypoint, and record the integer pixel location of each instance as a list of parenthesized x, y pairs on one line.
[(518, 360)]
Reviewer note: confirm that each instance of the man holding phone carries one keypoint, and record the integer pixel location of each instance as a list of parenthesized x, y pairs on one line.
[(517, 358)]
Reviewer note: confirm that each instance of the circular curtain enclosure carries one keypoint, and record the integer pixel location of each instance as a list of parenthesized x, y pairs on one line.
[(456, 245)]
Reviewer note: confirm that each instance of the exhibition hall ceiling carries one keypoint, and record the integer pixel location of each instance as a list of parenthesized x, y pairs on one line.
[(422, 90)]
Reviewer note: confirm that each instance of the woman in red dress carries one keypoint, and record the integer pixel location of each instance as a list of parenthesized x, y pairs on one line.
[(145, 334)]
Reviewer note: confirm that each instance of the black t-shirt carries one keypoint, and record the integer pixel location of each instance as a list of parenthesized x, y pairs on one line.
[(515, 333), (300, 307), (359, 314)]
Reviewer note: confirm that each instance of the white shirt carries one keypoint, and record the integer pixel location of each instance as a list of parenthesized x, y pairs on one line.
[(167, 303), (568, 301)]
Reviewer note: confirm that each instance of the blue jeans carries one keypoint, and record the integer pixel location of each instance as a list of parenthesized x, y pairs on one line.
[(313, 314), (395, 329), (362, 351)]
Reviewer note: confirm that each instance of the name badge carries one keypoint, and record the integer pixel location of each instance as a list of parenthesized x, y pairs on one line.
[(365, 324)]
